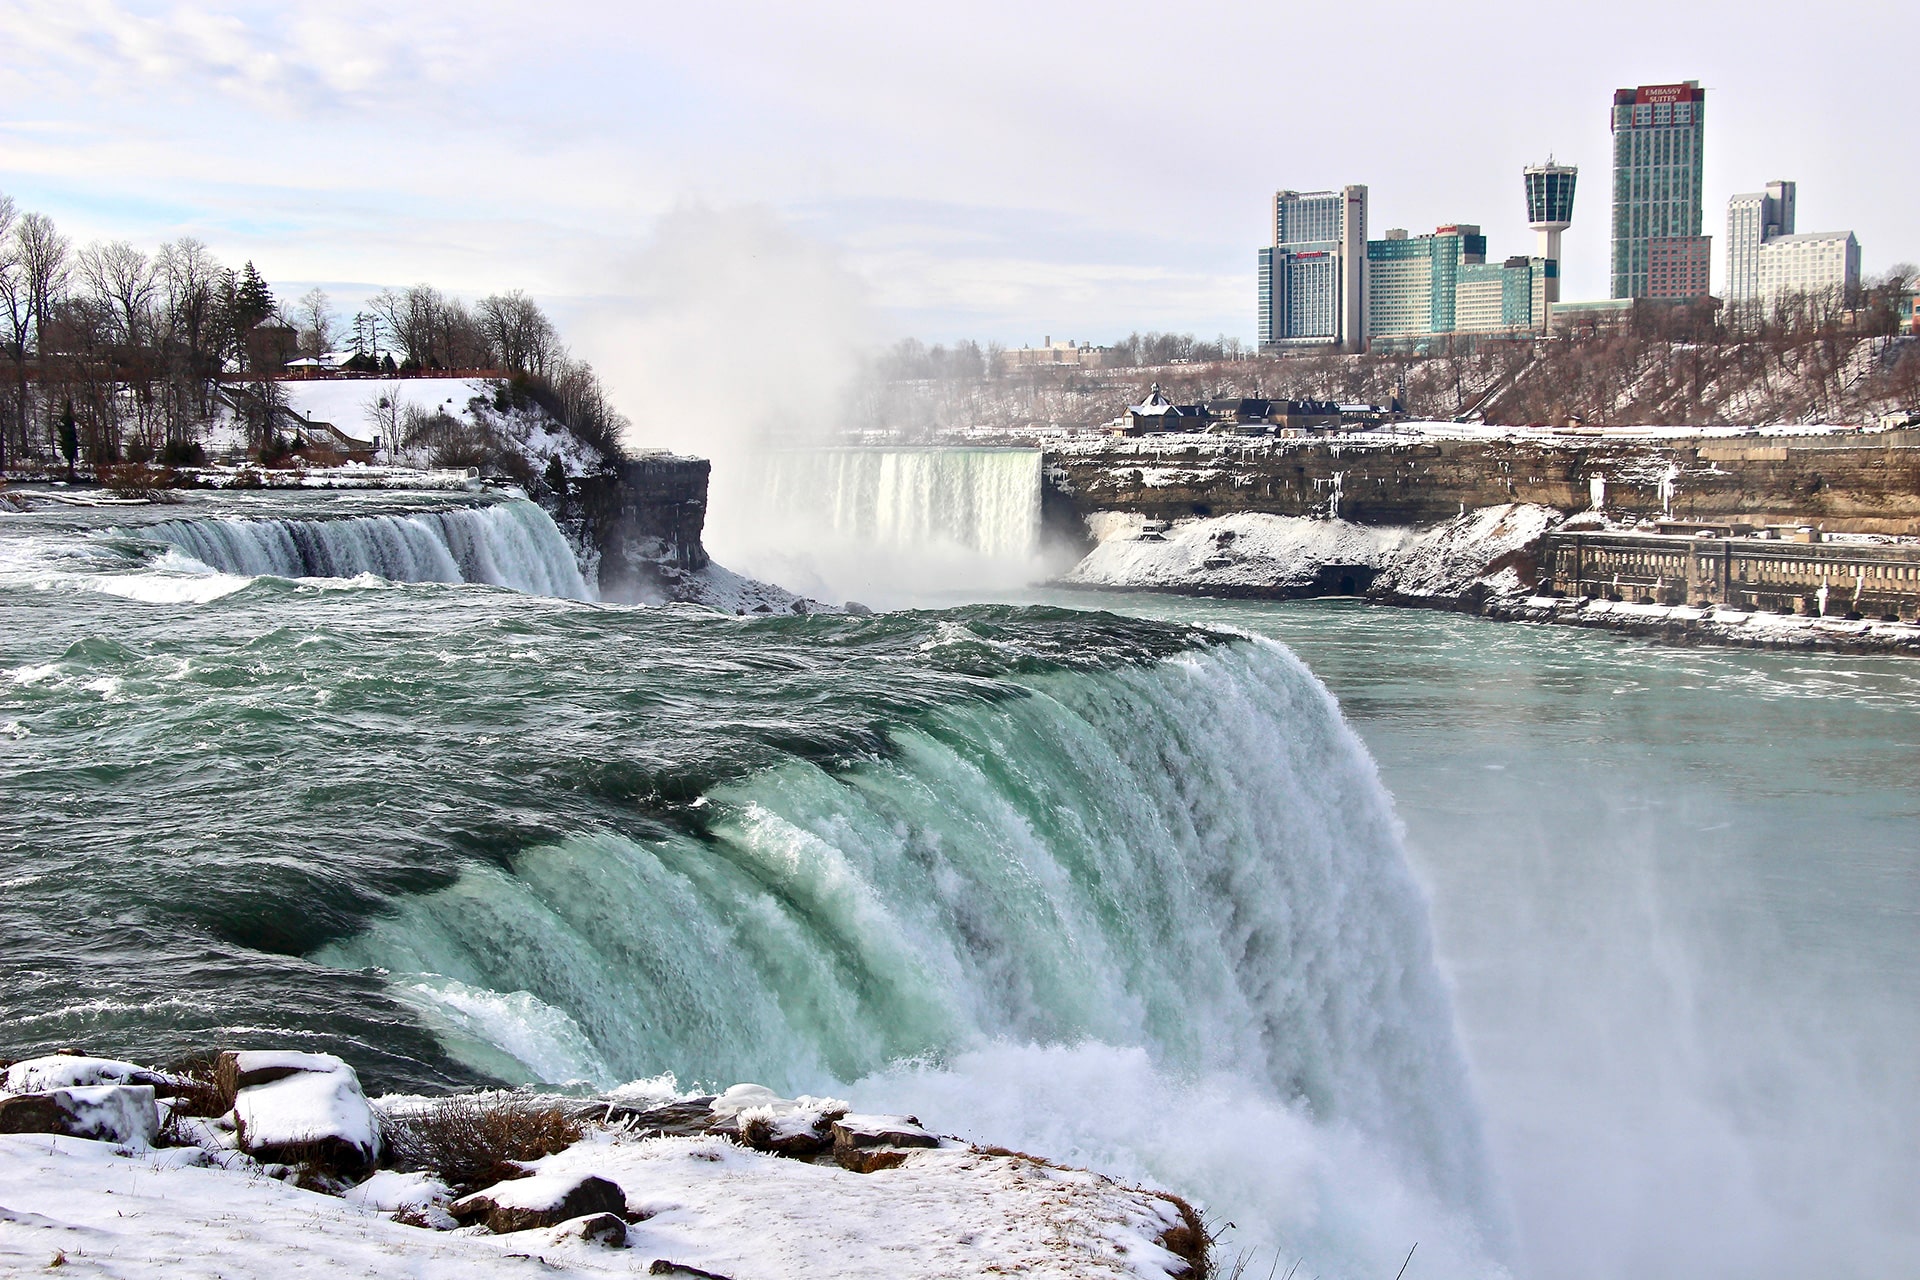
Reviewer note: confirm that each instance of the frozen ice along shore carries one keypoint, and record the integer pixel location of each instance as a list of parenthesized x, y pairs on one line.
[(261, 1163), (1478, 554)]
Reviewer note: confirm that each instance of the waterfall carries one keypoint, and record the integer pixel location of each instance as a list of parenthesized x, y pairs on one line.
[(1179, 871), (981, 500), (506, 544), (887, 526)]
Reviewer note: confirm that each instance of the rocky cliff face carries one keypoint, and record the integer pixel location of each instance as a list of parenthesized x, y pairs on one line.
[(642, 519), (1860, 484)]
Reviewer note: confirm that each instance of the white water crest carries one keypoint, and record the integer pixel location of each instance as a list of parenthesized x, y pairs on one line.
[(505, 544), (1158, 918), (890, 523)]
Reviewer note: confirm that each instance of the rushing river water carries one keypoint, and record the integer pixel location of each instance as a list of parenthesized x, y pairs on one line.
[(1121, 890)]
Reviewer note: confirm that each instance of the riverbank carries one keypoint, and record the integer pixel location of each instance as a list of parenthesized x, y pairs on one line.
[(1682, 624), (1487, 562), (263, 1161)]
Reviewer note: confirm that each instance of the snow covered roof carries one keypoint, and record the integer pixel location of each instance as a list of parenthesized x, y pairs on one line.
[(1156, 404)]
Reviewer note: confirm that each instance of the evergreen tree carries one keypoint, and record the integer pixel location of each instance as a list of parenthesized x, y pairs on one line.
[(69, 437), (252, 300)]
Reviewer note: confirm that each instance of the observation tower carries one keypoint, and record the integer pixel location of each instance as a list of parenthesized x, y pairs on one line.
[(1550, 211)]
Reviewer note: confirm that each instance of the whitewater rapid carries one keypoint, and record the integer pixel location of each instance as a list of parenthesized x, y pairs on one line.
[(1179, 879), (1113, 891)]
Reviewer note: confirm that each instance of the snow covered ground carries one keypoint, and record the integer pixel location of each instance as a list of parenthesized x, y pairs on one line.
[(352, 405), (711, 1204), (745, 1186), (1247, 551), (347, 402), (1724, 626)]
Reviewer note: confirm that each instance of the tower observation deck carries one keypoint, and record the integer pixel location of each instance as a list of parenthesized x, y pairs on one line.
[(1550, 210)]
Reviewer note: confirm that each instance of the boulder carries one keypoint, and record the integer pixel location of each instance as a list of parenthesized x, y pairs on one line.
[(870, 1143), (870, 1159), (609, 1229), (796, 1133), (665, 1267), (302, 1108), (390, 1191), (543, 1200), (745, 1097), (760, 1118), (69, 1070), (124, 1114), (673, 1119)]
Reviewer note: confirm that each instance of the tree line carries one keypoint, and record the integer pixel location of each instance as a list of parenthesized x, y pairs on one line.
[(111, 353), (911, 360)]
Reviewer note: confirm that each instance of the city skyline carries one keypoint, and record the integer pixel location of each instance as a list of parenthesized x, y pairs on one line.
[(958, 184)]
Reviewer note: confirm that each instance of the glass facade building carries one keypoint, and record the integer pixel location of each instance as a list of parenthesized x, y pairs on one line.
[(1424, 287), (1657, 192), (1312, 278), (1550, 194)]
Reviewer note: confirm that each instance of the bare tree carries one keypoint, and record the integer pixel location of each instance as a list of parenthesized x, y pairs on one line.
[(313, 316), (41, 252), (15, 329), (123, 280), (190, 279), (412, 316), (383, 411), (522, 337)]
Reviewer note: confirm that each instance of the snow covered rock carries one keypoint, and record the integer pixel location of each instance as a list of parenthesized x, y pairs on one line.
[(609, 1229), (868, 1144), (1248, 553), (763, 1120), (390, 1191), (745, 1097), (1489, 549), (543, 1200), (302, 1108), (123, 1114), (67, 1071)]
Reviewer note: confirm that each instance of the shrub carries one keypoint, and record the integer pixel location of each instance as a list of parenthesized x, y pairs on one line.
[(475, 1141), (135, 480), (182, 453)]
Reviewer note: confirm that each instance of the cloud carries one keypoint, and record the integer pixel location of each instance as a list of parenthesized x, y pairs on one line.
[(997, 164), (341, 58)]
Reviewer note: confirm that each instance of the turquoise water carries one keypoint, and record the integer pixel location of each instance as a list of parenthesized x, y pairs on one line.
[(1678, 893), (1548, 951)]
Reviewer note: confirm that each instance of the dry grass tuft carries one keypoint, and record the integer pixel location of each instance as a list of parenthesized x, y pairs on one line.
[(207, 1091), (474, 1142)]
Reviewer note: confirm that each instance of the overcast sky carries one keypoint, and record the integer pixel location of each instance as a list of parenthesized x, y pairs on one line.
[(1004, 171)]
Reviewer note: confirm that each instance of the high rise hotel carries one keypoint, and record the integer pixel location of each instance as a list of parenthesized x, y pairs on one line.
[(1658, 251), (1313, 277)]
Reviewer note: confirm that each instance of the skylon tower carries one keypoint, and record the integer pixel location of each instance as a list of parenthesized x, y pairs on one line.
[(1550, 211)]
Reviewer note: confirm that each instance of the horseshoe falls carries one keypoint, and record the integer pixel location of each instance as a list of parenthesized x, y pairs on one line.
[(1121, 892), (1183, 871), (883, 524)]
